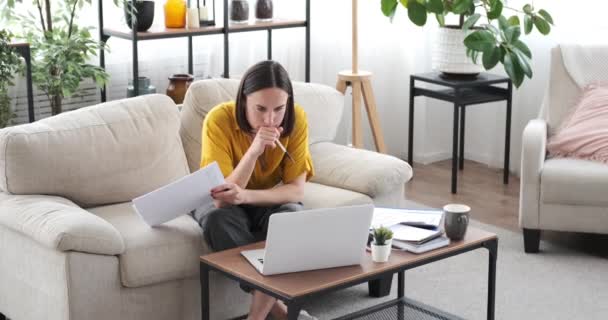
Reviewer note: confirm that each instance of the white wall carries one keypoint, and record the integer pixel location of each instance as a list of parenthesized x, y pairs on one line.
[(391, 51)]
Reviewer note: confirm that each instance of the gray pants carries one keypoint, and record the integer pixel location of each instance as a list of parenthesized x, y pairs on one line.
[(234, 226)]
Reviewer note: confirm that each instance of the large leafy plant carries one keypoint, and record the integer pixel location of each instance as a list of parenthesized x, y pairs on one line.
[(61, 49), (10, 64), (496, 33)]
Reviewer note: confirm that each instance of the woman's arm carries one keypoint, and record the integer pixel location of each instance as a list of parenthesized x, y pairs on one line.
[(232, 193)]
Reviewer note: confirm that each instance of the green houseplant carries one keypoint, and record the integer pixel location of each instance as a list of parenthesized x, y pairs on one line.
[(496, 35), (60, 47), (381, 246), (10, 64)]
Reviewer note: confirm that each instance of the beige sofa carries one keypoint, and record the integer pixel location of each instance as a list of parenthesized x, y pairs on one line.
[(71, 246), (561, 194)]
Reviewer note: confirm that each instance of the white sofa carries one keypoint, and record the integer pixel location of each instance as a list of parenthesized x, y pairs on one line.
[(71, 246), (561, 194)]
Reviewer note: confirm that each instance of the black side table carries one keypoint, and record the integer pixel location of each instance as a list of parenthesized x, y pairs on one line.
[(462, 93), (24, 50)]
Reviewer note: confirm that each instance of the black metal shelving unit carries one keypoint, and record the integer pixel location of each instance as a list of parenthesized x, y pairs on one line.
[(226, 29)]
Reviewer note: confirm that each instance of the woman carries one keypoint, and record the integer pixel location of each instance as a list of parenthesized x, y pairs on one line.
[(242, 137)]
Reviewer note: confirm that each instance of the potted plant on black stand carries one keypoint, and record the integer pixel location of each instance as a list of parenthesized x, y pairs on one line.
[(61, 48), (484, 28)]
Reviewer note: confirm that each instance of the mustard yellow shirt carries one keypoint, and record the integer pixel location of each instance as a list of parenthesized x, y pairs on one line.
[(225, 143)]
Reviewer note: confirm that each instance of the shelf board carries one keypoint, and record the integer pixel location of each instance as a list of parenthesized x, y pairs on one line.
[(160, 32)]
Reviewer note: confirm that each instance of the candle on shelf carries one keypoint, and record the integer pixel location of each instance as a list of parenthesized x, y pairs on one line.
[(203, 13), (193, 20)]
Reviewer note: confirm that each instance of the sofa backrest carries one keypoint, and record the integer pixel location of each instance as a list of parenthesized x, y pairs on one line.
[(562, 92), (107, 153), (323, 106)]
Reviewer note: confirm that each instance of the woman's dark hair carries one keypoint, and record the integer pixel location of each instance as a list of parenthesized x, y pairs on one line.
[(263, 75)]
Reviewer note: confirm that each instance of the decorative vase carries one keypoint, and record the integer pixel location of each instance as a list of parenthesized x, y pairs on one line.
[(449, 56), (144, 15), (239, 11), (143, 85), (178, 85), (263, 10), (175, 13), (381, 253)]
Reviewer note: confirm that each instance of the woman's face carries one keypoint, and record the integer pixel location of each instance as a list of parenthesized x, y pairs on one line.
[(266, 108)]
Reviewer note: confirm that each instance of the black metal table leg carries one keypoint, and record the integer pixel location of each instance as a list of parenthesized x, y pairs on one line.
[(307, 55), (293, 310), (462, 116), (455, 149), (380, 287), (269, 45), (410, 138), (204, 279), (400, 284), (492, 247), (508, 134)]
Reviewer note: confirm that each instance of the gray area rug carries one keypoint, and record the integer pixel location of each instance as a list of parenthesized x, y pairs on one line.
[(558, 283)]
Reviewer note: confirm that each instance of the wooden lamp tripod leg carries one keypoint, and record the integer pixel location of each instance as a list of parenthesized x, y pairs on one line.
[(372, 115)]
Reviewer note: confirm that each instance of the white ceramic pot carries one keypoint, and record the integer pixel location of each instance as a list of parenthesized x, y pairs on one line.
[(381, 253), (450, 55)]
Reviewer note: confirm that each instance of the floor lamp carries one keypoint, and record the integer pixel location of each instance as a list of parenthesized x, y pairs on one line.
[(361, 84)]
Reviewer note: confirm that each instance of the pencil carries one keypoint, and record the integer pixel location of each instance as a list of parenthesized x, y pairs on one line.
[(285, 150)]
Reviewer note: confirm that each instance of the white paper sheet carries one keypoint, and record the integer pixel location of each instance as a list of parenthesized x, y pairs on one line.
[(179, 197), (389, 217)]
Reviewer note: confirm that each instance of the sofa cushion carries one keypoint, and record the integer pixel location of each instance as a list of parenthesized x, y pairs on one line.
[(107, 153), (322, 196), (574, 182), (323, 106), (152, 255)]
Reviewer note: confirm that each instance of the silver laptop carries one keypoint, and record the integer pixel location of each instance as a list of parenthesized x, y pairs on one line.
[(313, 239)]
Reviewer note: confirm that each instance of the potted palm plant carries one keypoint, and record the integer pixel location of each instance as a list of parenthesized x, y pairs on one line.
[(486, 30), (10, 64), (381, 246)]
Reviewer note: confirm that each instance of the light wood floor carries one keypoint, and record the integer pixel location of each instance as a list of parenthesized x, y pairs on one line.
[(491, 201), (479, 187)]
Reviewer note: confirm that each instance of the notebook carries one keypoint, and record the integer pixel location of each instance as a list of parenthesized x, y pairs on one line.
[(430, 219), (433, 244)]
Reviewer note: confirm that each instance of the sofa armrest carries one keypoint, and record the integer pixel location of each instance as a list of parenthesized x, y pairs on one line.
[(533, 154), (367, 172), (59, 224)]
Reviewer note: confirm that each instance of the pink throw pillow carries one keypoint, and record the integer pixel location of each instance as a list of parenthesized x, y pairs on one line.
[(584, 133)]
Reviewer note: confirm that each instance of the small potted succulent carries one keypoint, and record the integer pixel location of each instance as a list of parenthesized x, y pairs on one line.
[(381, 245)]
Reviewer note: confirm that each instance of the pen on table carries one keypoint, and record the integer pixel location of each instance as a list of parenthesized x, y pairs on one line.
[(284, 150)]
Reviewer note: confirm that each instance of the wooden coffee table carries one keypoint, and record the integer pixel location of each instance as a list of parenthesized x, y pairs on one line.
[(296, 288)]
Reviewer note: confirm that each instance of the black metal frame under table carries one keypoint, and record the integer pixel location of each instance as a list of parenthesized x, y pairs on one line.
[(226, 29), (462, 93), (402, 304)]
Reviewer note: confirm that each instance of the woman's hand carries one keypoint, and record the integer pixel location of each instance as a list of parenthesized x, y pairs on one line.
[(229, 193), (265, 137)]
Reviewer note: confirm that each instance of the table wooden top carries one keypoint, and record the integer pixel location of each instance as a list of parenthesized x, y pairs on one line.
[(297, 284)]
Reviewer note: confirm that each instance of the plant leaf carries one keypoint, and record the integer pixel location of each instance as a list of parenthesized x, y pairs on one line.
[(503, 23), (528, 24), (491, 57), (513, 21), (495, 10), (389, 7), (416, 12), (434, 6), (512, 34), (480, 40), (542, 25), (523, 48), (513, 69), (522, 61), (470, 22), (461, 6), (543, 13), (528, 9), (440, 19)]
